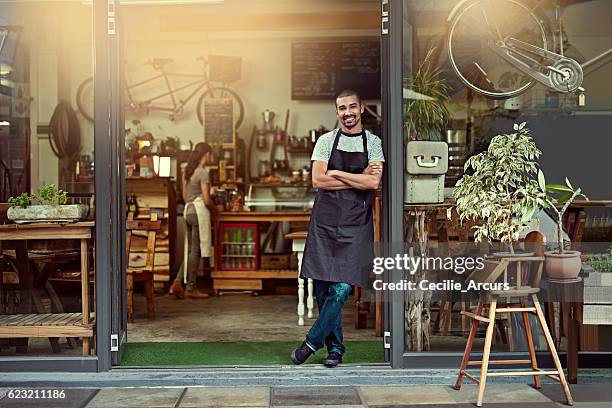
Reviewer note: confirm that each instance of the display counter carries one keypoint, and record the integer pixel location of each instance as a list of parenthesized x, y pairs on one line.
[(237, 249)]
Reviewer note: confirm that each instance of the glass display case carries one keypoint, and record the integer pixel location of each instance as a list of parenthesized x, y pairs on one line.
[(279, 196)]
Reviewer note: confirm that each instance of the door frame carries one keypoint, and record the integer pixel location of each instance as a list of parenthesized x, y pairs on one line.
[(393, 180)]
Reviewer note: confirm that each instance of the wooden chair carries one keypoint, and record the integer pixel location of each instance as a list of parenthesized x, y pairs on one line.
[(145, 273), (512, 301)]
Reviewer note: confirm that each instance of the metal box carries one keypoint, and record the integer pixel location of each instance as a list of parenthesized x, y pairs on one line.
[(426, 165)]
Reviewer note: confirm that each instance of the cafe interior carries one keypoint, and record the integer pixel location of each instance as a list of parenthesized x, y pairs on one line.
[(256, 80)]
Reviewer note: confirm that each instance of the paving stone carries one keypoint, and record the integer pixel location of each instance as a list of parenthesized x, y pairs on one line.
[(320, 406), (406, 395), (136, 397), (472, 405), (300, 396), (499, 393), (226, 397), (580, 392), (72, 398)]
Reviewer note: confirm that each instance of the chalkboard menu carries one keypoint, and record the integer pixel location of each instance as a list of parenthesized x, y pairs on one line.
[(320, 70), (219, 121)]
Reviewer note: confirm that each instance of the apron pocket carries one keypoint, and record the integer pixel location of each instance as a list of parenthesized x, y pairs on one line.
[(326, 211), (354, 213)]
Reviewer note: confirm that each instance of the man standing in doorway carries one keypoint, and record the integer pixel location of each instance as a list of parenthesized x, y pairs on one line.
[(347, 166)]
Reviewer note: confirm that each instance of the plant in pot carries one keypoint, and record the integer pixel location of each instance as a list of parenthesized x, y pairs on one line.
[(425, 109), (500, 190), (50, 205), (561, 263)]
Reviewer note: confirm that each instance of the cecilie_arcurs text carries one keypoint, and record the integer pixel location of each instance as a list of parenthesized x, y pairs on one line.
[(445, 285)]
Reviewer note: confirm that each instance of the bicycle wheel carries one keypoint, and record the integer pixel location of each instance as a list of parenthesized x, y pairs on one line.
[(473, 32), (84, 99), (221, 92)]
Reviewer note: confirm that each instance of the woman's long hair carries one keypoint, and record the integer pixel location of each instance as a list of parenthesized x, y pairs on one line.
[(195, 158)]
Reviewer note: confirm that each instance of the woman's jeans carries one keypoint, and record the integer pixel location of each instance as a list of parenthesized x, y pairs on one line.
[(193, 240), (327, 329)]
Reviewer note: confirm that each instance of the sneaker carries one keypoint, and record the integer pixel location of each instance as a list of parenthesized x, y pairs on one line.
[(332, 359), (301, 354), (177, 290)]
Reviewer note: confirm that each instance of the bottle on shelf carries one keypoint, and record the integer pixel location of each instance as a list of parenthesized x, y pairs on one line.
[(133, 204)]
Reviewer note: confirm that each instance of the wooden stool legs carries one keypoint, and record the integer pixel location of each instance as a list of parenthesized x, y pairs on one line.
[(536, 372), (130, 297), (486, 352), (532, 355), (147, 277), (149, 288), (468, 347), (551, 348)]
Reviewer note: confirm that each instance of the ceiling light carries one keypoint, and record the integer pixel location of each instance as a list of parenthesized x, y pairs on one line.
[(5, 123)]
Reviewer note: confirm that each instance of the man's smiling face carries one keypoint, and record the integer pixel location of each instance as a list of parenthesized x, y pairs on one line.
[(349, 110)]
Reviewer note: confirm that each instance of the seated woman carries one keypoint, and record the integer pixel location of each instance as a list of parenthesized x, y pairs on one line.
[(198, 207)]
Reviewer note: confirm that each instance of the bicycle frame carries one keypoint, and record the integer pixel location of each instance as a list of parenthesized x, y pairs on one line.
[(177, 106)]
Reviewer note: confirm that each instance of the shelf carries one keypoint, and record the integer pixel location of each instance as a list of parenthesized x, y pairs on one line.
[(258, 274), (214, 167), (265, 131), (45, 325), (238, 243), (238, 256), (298, 150)]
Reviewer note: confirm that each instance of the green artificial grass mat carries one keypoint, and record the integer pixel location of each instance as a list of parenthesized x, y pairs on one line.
[(238, 353)]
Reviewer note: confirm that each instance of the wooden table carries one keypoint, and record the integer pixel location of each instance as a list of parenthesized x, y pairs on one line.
[(299, 242), (252, 280), (27, 324)]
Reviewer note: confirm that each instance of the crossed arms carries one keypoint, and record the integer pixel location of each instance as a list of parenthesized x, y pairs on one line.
[(340, 180)]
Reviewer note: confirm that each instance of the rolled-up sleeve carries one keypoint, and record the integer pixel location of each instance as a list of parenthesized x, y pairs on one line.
[(375, 151), (321, 151)]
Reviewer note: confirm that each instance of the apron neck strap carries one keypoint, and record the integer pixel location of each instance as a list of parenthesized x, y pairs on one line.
[(364, 137), (336, 138)]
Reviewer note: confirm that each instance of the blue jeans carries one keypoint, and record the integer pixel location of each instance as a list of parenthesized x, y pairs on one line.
[(327, 329)]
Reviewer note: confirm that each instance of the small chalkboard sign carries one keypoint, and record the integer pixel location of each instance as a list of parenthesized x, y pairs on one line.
[(219, 121)]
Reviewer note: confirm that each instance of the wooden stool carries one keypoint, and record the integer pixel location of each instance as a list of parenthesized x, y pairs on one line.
[(141, 274), (489, 274)]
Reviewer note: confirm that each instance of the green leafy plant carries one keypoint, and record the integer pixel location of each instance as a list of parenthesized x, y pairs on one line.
[(22, 200), (558, 198), (500, 189), (51, 195), (426, 118), (47, 195)]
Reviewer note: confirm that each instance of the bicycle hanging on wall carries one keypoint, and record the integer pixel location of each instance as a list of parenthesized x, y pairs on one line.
[(501, 48), (222, 70)]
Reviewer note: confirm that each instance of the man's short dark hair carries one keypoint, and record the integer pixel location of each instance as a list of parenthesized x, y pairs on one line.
[(348, 92)]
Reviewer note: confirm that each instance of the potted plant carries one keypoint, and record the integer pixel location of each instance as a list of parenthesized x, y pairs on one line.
[(425, 110), (500, 188), (50, 206), (561, 263)]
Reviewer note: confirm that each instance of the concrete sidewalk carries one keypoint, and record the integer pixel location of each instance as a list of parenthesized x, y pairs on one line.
[(498, 395)]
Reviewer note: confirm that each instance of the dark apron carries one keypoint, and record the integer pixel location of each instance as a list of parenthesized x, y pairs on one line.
[(339, 246)]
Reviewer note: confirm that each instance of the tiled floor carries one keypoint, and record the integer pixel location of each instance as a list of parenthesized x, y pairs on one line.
[(418, 396)]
